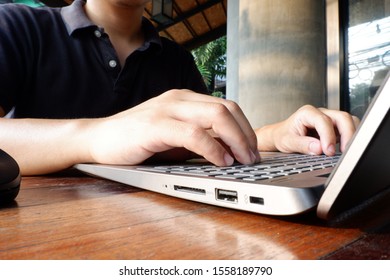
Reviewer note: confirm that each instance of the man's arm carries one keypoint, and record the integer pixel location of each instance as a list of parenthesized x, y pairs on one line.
[(175, 119), (43, 146)]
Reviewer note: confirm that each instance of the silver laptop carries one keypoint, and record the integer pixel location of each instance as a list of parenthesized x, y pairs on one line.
[(282, 184)]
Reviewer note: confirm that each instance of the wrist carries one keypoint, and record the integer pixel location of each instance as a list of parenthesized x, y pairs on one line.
[(265, 138)]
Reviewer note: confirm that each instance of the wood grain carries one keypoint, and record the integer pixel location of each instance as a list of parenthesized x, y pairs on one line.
[(79, 217)]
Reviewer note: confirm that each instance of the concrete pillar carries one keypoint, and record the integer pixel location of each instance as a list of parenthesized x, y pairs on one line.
[(276, 57)]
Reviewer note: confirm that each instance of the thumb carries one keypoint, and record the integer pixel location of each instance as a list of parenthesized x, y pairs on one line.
[(304, 145)]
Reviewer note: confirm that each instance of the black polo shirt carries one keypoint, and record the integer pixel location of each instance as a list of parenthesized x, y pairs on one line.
[(55, 63)]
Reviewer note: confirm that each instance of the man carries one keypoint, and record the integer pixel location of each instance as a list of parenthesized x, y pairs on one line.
[(93, 82)]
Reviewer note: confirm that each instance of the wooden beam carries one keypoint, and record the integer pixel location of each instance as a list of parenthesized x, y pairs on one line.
[(189, 14)]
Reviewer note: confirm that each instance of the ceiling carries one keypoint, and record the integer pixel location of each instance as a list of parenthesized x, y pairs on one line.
[(195, 22)]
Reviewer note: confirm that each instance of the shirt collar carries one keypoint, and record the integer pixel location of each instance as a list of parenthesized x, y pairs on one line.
[(75, 19)]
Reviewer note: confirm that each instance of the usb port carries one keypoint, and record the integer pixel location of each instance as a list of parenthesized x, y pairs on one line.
[(256, 200), (226, 195)]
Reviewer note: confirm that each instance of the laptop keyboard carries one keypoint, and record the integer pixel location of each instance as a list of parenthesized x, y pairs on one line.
[(268, 168)]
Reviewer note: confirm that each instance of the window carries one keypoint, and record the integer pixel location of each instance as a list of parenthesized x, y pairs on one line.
[(364, 50)]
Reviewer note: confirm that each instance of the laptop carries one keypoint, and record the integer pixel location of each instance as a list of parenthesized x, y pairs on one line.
[(282, 184)]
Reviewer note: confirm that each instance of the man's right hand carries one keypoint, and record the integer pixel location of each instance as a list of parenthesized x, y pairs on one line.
[(175, 119)]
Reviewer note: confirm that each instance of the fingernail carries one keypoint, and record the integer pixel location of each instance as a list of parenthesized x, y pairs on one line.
[(331, 149), (229, 160)]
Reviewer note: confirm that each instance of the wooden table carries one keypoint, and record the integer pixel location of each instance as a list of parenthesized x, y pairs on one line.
[(73, 216)]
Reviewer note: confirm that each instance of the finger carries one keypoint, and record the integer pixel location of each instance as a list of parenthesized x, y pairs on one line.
[(356, 121), (313, 118), (304, 145), (235, 110), (345, 125), (245, 126), (176, 134), (218, 117)]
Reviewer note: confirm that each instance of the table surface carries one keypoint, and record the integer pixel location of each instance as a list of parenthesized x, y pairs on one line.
[(73, 216)]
